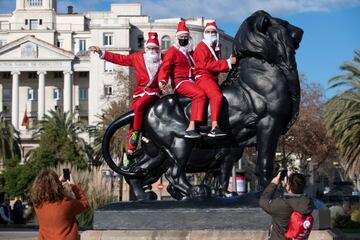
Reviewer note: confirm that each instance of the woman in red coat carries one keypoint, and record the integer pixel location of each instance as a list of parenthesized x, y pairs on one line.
[(178, 66), (208, 65), (54, 210), (146, 65)]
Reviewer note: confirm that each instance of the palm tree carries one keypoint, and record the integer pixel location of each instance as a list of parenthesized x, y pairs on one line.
[(118, 142), (65, 125), (9, 140), (342, 115)]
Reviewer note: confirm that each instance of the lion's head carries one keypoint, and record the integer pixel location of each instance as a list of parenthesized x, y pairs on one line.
[(268, 38)]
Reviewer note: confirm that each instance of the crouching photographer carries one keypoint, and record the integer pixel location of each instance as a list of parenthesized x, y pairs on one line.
[(291, 210)]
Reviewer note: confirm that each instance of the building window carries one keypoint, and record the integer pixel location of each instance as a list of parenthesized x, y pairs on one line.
[(108, 39), (35, 3), (6, 75), (83, 74), (140, 41), (82, 45), (57, 94), (2, 42), (32, 75), (83, 94), (165, 42), (109, 67), (58, 75), (34, 24), (31, 94), (60, 43), (4, 25), (7, 94), (108, 90)]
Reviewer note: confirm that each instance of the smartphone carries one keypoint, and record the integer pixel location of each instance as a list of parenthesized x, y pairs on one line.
[(66, 173), (283, 174)]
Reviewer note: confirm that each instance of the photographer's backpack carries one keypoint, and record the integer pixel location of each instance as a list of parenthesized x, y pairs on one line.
[(300, 226)]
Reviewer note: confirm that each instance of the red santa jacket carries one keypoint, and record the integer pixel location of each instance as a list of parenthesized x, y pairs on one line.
[(207, 63), (145, 84), (177, 66)]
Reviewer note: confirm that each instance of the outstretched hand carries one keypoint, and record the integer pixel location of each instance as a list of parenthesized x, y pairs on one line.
[(95, 49), (233, 60), (162, 85)]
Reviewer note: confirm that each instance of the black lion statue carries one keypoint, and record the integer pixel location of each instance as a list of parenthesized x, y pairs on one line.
[(261, 102)]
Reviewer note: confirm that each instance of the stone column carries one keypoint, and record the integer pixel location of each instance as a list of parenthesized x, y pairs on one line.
[(41, 95), (15, 99), (67, 91)]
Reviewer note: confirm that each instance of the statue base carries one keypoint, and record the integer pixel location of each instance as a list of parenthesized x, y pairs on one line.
[(240, 212)]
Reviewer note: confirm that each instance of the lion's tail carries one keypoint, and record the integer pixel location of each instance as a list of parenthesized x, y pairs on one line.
[(120, 122)]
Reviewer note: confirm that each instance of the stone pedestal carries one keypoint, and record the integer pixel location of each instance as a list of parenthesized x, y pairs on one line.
[(240, 212), (213, 219)]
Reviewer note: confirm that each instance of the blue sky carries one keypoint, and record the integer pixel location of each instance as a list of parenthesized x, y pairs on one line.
[(332, 27)]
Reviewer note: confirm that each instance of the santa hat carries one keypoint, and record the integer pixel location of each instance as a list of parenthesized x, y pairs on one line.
[(153, 40), (213, 26), (182, 28), (210, 25)]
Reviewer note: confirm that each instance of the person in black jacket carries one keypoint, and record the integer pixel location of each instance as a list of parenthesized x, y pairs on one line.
[(280, 208), (5, 212)]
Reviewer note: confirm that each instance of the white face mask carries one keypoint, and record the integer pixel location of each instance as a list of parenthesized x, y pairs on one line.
[(210, 38)]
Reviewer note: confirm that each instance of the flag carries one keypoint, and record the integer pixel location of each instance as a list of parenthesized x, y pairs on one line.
[(25, 121)]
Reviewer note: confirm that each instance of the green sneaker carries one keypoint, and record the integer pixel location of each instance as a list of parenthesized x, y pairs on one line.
[(134, 139)]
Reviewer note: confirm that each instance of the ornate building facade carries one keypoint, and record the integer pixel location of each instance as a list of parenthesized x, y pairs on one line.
[(45, 63)]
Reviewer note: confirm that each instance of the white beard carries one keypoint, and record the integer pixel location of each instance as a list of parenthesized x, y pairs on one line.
[(186, 49), (152, 63)]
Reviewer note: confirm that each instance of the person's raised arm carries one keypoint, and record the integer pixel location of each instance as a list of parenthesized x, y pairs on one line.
[(265, 201), (205, 61), (120, 59), (80, 204)]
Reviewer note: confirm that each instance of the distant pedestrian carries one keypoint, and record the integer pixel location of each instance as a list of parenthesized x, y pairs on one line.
[(18, 212), (55, 211), (5, 212)]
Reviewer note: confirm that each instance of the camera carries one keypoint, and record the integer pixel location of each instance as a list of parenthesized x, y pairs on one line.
[(283, 174), (66, 173)]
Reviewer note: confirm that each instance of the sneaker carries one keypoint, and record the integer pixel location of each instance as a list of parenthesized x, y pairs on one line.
[(134, 139), (216, 132), (192, 134)]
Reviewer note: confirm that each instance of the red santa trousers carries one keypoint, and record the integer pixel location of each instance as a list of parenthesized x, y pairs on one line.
[(139, 105), (213, 92), (189, 89)]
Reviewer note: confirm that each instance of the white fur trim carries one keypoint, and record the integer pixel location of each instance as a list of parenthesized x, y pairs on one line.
[(151, 44), (229, 63), (210, 27), (211, 50), (181, 32), (147, 93), (178, 85)]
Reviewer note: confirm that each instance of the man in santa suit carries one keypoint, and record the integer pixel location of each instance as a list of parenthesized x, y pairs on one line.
[(146, 65), (208, 65), (178, 66)]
